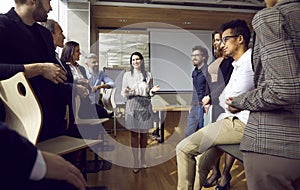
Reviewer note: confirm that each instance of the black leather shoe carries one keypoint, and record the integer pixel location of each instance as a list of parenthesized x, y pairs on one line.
[(226, 186), (213, 181)]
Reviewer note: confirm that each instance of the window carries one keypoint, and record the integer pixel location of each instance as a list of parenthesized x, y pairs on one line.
[(115, 47)]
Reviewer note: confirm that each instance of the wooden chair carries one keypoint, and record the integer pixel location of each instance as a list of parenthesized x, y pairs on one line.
[(17, 95), (116, 74), (109, 102)]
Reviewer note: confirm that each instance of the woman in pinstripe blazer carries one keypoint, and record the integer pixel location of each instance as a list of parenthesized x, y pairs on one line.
[(271, 141)]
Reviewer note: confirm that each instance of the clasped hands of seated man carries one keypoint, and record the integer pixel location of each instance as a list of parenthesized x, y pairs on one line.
[(231, 108)]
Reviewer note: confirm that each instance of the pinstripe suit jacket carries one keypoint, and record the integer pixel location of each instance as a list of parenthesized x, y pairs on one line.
[(274, 123)]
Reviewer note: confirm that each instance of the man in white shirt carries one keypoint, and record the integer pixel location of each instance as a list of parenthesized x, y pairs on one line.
[(229, 130)]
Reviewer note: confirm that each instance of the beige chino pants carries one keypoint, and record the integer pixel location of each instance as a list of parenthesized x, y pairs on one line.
[(226, 131)]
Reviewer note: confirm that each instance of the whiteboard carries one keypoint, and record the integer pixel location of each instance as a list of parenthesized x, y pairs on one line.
[(170, 56)]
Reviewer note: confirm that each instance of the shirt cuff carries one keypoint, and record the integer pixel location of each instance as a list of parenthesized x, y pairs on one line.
[(38, 171), (151, 93)]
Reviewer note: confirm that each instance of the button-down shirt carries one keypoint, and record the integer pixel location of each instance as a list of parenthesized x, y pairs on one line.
[(95, 80), (241, 81), (199, 84)]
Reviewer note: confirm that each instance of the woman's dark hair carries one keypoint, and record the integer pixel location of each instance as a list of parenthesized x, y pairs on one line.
[(142, 64), (68, 51), (217, 52)]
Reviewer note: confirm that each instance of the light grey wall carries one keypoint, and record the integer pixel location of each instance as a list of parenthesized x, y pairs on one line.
[(78, 26)]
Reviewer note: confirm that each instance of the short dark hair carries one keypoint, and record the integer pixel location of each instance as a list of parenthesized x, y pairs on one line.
[(238, 27), (203, 51)]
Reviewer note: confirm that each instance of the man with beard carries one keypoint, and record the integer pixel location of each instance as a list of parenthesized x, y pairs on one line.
[(97, 80), (228, 130), (196, 114), (28, 47)]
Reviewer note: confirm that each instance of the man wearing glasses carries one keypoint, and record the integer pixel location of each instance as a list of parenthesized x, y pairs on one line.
[(196, 114), (228, 130)]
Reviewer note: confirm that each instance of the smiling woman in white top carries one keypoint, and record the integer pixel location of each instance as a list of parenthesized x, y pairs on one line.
[(137, 88)]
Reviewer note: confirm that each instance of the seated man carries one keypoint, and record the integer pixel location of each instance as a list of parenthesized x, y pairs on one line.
[(36, 169), (229, 130), (97, 80)]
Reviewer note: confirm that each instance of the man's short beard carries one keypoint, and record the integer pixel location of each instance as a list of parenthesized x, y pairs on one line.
[(40, 14)]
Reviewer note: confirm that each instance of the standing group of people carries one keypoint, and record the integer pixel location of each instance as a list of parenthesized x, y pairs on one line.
[(260, 88), (52, 79), (28, 47)]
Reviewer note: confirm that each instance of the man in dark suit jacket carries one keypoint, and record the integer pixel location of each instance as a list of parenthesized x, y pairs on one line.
[(27, 46), (23, 42)]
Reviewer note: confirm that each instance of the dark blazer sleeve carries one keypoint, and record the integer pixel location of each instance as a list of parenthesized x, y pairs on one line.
[(18, 156), (8, 70)]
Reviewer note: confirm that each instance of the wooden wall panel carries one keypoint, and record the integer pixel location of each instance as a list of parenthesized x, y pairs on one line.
[(114, 17)]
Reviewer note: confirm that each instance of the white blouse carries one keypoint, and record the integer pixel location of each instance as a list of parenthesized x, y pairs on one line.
[(136, 84)]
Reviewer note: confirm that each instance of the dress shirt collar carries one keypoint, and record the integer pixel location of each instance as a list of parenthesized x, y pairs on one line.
[(242, 59)]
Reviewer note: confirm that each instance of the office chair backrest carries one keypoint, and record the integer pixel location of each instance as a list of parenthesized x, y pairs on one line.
[(108, 99), (23, 113)]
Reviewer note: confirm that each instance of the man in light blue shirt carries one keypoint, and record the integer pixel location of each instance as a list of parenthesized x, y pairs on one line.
[(97, 80)]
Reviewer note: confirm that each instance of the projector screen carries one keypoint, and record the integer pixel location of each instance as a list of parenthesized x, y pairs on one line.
[(170, 56)]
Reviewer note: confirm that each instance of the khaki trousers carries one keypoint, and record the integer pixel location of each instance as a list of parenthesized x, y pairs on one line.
[(226, 131), (271, 172)]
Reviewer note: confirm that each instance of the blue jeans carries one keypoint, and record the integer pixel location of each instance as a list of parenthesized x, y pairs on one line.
[(195, 119)]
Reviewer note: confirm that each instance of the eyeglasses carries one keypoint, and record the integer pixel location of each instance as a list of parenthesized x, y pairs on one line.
[(225, 38)]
